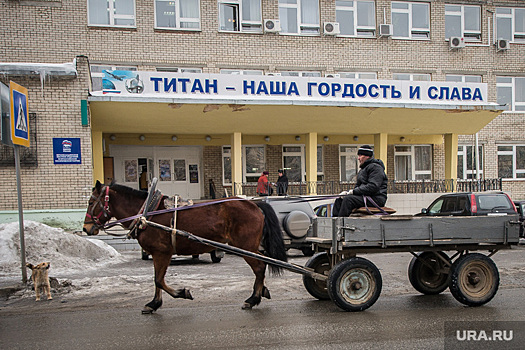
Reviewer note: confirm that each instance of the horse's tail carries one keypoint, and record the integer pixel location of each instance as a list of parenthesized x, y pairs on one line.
[(272, 240)]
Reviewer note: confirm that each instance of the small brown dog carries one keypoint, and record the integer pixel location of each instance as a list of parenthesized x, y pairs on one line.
[(40, 277)]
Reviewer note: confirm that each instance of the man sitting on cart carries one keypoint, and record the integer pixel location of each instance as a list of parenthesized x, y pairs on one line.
[(371, 182)]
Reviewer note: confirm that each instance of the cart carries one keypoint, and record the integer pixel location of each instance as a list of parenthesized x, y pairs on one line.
[(354, 283)]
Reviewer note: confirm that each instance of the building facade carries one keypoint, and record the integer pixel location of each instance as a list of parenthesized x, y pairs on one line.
[(205, 147)]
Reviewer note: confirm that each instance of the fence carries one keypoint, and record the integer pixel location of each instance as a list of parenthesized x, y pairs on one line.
[(419, 186)]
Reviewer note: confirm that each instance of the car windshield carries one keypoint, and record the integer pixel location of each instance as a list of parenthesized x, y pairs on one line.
[(436, 207)]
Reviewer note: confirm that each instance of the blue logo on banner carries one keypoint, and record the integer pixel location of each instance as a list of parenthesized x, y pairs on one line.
[(66, 151)]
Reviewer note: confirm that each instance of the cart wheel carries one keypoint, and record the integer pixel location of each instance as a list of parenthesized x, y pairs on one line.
[(216, 256), (355, 284), (474, 279), (426, 273), (320, 264)]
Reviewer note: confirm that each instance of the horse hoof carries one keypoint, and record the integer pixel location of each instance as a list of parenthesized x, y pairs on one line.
[(266, 293), (187, 294), (247, 306), (147, 310)]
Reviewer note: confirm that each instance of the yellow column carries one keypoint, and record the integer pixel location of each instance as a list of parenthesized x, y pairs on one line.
[(236, 154), (98, 156), (311, 163), (451, 158), (381, 147)]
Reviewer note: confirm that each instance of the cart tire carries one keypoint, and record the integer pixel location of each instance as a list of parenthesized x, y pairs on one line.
[(474, 279), (355, 284), (320, 264), (425, 279), (216, 256)]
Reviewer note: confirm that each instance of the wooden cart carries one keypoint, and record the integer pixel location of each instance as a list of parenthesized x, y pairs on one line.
[(354, 283)]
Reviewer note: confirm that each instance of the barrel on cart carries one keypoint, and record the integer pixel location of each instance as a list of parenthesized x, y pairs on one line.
[(354, 283)]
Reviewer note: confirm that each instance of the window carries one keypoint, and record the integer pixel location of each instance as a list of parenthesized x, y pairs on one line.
[(300, 74), (411, 20), (226, 165), (242, 71), (348, 163), (293, 162), (510, 24), (240, 16), (177, 14), (356, 18), (463, 21), (511, 92), (463, 78), (254, 163), (99, 72), (179, 70), (114, 13), (299, 16), (320, 171), (467, 162), (413, 162), (411, 77), (361, 75), (179, 170), (511, 161)]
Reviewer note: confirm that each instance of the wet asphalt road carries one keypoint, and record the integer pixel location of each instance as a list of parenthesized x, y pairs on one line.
[(400, 319), (402, 322)]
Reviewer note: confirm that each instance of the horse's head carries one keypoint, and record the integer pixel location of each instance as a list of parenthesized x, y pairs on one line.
[(98, 209)]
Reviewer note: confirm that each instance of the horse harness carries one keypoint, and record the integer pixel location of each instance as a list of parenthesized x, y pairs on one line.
[(105, 207), (136, 227)]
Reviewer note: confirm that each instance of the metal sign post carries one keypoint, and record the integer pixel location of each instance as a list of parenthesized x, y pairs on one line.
[(19, 137)]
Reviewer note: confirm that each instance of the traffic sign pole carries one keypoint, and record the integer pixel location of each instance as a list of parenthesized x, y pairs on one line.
[(20, 137), (20, 214)]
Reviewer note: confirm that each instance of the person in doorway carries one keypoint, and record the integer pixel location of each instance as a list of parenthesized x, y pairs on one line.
[(143, 181), (371, 182), (264, 187), (282, 183)]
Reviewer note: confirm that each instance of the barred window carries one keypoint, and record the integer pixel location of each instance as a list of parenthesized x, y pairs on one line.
[(28, 156)]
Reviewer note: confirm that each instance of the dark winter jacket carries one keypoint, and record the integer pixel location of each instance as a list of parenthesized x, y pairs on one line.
[(371, 179)]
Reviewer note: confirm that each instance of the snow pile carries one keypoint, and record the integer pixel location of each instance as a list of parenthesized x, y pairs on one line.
[(67, 252)]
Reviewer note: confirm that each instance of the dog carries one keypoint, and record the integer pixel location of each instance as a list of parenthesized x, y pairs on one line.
[(40, 277)]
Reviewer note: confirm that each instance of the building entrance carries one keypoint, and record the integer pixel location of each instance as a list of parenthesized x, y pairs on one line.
[(178, 169)]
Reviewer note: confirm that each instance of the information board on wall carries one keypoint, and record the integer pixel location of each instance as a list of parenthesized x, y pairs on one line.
[(66, 150)]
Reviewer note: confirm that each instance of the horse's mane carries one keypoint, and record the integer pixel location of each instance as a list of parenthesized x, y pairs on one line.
[(128, 191)]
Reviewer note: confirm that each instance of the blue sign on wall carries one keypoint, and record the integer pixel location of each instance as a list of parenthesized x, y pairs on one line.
[(66, 151)]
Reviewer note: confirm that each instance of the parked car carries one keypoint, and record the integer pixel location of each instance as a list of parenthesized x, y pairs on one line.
[(470, 204), (520, 206)]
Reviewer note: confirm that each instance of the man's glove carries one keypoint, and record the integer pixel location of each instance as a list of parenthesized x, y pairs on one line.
[(344, 193)]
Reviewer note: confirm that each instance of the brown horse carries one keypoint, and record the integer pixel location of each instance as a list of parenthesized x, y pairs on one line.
[(240, 223)]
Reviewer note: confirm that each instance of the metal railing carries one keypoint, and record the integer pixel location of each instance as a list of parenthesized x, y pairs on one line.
[(419, 186)]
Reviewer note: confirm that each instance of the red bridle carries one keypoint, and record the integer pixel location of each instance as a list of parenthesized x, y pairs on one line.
[(105, 208)]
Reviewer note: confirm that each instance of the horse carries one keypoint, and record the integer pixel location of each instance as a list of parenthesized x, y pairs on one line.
[(238, 222)]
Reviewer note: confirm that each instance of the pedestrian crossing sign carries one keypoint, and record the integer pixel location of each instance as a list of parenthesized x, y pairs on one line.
[(19, 115)]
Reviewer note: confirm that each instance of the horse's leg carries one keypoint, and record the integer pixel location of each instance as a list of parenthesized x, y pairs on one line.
[(161, 263), (259, 289)]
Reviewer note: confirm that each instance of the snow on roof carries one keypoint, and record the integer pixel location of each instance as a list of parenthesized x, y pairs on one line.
[(41, 69)]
